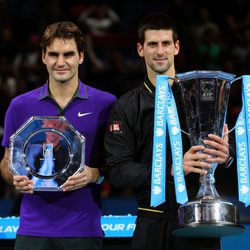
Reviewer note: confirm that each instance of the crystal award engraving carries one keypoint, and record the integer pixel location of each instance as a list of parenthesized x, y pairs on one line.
[(205, 96), (48, 150)]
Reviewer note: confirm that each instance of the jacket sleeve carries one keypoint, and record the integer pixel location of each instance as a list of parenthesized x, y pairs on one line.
[(120, 147)]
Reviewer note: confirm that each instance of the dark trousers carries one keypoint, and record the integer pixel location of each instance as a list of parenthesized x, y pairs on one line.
[(49, 243), (156, 234)]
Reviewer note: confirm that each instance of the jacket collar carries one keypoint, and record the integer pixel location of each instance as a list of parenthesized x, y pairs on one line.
[(81, 91)]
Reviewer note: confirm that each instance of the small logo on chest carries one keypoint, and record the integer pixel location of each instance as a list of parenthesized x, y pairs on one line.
[(83, 114)]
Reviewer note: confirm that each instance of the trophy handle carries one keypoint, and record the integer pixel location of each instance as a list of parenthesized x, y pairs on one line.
[(231, 130), (184, 132), (236, 79)]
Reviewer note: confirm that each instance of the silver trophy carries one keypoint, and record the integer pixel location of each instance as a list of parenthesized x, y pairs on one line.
[(48, 150), (205, 95)]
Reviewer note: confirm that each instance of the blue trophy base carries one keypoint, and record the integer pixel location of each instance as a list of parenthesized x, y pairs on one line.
[(209, 230)]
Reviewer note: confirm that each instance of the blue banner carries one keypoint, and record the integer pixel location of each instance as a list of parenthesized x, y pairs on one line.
[(8, 227), (158, 178), (176, 148), (242, 134), (166, 115), (112, 226)]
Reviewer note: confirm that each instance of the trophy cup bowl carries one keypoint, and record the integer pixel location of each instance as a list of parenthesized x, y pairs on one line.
[(48, 150), (205, 96)]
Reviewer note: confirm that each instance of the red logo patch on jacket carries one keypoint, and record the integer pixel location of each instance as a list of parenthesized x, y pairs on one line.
[(115, 127)]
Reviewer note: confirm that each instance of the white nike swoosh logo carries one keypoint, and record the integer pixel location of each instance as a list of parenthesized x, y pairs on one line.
[(83, 114)]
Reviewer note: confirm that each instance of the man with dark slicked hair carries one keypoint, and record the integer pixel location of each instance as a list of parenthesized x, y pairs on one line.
[(129, 143)]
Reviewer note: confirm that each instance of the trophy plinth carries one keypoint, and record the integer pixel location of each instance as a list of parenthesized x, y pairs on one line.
[(48, 150), (205, 95), (208, 217)]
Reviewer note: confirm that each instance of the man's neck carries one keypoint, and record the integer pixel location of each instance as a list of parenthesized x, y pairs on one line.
[(170, 73), (62, 93)]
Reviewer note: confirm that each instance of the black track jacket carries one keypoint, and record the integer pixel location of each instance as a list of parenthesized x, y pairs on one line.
[(129, 144)]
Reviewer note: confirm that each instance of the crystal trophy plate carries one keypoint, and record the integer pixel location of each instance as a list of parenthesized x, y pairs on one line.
[(48, 150), (205, 96)]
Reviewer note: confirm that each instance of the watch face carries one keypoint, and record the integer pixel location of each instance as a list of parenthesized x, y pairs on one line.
[(48, 150)]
